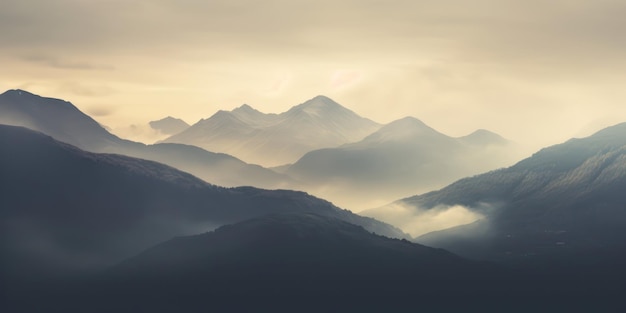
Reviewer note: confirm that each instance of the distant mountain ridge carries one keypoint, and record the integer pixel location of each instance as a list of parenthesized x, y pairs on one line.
[(169, 125), (276, 139), (483, 137), (401, 158), (63, 121), (407, 128), (395, 160)]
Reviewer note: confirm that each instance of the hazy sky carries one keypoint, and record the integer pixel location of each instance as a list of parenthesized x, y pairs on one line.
[(530, 70)]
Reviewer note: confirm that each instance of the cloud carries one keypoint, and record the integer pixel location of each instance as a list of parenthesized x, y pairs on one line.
[(55, 62), (480, 31), (344, 78), (278, 85), (418, 222), (141, 133), (100, 111), (458, 65), (85, 89)]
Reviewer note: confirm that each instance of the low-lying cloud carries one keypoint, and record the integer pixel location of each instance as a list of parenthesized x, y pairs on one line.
[(60, 63), (418, 222), (141, 133)]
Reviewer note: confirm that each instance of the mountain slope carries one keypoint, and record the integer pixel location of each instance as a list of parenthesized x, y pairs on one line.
[(64, 209), (66, 123), (276, 139), (310, 262), (565, 200), (483, 137), (55, 117), (291, 257), (403, 157)]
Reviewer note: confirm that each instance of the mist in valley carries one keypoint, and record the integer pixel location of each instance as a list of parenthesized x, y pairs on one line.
[(362, 179), (417, 222)]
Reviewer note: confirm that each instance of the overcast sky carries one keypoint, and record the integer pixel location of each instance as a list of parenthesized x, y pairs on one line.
[(532, 71)]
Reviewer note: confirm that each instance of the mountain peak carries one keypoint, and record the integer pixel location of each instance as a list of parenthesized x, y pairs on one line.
[(481, 132), (407, 121), (169, 125), (55, 117), (246, 109), (484, 137), (245, 106), (23, 97), (319, 105), (322, 98), (220, 115), (169, 119), (407, 124), (276, 139), (17, 92), (617, 131), (402, 129)]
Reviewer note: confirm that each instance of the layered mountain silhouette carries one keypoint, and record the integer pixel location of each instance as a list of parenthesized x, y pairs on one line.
[(65, 122), (169, 125), (277, 139), (403, 157), (64, 210), (73, 222), (566, 202)]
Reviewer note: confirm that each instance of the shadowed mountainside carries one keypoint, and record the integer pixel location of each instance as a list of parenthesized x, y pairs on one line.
[(311, 263), (66, 210), (63, 121), (566, 202)]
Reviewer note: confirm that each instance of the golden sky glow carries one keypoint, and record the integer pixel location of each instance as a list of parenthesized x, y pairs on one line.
[(533, 71)]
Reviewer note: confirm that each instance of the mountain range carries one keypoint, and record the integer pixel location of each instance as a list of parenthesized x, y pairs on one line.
[(366, 165), (63, 121), (547, 232), (277, 139), (403, 157), (63, 209), (564, 203)]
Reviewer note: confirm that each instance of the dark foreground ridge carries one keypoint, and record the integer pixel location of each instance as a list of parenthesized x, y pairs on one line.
[(65, 210), (301, 262)]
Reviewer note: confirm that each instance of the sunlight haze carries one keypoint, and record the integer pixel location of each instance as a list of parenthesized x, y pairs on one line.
[(536, 72)]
